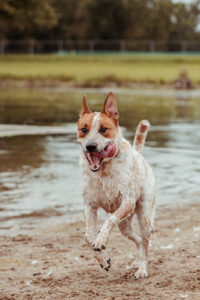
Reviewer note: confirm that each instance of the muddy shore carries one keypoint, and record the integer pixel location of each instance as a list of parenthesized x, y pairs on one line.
[(56, 263)]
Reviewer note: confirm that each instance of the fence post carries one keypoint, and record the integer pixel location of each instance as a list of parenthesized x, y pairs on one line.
[(152, 46), (184, 46), (122, 45), (60, 46), (2, 47), (31, 47), (91, 47)]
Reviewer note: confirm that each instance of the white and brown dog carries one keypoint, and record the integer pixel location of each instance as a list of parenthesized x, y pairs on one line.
[(116, 178)]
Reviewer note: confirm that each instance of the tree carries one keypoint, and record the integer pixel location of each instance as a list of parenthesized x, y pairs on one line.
[(106, 19), (184, 21), (99, 19), (26, 18)]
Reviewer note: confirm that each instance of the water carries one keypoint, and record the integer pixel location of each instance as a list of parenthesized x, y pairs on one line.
[(40, 179)]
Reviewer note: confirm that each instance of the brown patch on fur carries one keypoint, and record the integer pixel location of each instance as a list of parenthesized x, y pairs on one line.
[(106, 122), (143, 128), (85, 122), (140, 135), (139, 139)]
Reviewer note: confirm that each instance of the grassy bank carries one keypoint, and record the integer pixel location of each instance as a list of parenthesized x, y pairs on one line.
[(98, 70)]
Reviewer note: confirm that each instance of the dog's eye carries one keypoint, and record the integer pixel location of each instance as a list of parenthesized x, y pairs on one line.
[(102, 130), (84, 130)]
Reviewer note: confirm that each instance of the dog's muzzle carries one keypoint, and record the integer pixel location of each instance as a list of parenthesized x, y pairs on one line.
[(95, 158)]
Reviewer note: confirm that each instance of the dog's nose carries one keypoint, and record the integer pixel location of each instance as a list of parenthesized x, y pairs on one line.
[(92, 147)]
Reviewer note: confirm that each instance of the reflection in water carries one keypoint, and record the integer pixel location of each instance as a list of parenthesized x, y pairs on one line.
[(36, 107), (21, 152), (37, 184), (188, 109), (40, 176)]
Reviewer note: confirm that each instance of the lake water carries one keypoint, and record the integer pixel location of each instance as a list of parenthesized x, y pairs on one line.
[(40, 176)]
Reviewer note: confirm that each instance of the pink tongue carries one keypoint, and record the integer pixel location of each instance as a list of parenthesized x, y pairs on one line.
[(96, 158), (109, 151)]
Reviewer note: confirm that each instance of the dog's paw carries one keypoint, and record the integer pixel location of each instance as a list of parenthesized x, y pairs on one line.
[(100, 241), (106, 265), (98, 248), (141, 273)]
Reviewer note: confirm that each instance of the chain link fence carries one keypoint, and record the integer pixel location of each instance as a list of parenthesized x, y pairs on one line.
[(95, 46)]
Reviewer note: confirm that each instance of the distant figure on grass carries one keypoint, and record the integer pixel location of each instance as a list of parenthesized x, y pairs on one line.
[(183, 82)]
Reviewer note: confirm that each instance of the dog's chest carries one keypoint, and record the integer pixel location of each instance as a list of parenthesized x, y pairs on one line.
[(110, 205), (109, 193), (108, 186), (117, 180)]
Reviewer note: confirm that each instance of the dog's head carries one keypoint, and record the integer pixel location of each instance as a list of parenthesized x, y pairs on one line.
[(98, 133)]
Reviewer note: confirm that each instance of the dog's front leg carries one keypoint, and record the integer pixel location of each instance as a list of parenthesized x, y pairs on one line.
[(90, 223), (123, 212), (90, 228)]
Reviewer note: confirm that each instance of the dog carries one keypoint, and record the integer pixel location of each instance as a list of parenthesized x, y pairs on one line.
[(116, 178)]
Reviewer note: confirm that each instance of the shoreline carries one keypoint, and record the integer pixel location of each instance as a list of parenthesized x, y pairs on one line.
[(35, 83), (56, 263)]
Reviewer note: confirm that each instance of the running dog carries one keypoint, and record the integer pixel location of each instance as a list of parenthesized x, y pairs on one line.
[(116, 178)]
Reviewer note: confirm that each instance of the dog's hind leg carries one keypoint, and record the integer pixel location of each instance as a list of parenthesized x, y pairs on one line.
[(145, 221), (126, 229)]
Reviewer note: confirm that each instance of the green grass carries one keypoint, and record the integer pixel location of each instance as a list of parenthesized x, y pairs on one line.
[(84, 70)]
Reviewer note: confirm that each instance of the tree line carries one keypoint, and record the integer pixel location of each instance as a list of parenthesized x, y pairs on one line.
[(99, 19)]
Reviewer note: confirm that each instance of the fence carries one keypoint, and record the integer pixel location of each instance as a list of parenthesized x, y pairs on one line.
[(95, 46)]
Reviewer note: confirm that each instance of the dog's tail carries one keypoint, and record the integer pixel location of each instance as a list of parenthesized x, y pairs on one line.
[(140, 135)]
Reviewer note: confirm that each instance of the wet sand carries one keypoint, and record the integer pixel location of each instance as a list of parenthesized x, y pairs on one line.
[(56, 263)]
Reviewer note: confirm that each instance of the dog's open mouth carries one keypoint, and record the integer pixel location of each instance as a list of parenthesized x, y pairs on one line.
[(95, 159)]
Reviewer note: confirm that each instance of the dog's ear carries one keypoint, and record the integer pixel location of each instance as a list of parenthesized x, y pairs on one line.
[(110, 107), (85, 108)]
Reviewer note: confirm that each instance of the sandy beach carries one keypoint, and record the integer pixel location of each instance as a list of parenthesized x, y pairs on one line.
[(56, 263)]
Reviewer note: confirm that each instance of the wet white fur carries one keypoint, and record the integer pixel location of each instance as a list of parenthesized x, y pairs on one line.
[(125, 186)]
